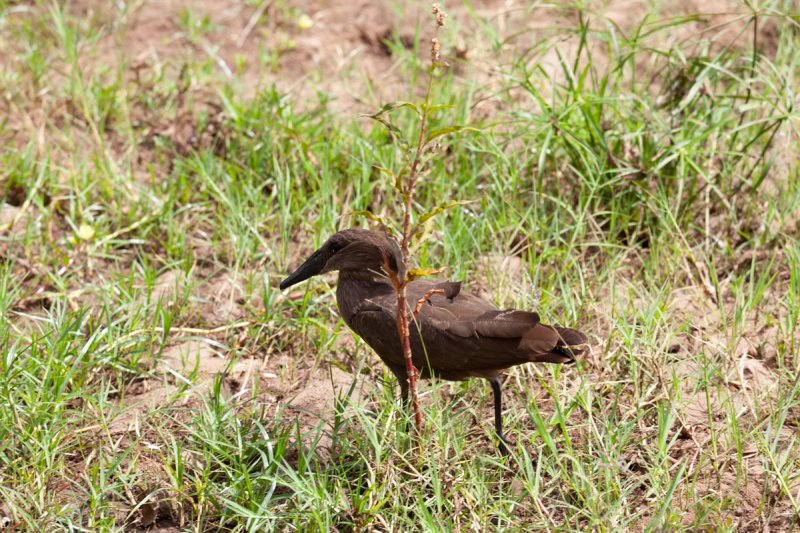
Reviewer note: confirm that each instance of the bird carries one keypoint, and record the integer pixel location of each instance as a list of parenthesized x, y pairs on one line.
[(455, 336)]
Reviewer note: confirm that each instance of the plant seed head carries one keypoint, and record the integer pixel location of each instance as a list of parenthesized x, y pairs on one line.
[(435, 49), (440, 18), (436, 9)]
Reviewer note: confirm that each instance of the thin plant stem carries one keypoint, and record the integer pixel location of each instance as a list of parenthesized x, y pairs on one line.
[(402, 314)]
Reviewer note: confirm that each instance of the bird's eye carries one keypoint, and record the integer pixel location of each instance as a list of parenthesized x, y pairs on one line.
[(335, 247)]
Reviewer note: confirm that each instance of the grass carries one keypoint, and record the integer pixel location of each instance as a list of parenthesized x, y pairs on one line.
[(638, 178)]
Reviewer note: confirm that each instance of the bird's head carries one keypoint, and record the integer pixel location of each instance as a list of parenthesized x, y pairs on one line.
[(353, 249)]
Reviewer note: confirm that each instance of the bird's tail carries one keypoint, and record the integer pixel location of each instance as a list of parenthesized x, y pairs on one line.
[(571, 342)]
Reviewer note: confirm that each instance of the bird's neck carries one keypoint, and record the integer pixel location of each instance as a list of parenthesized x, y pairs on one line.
[(355, 276), (357, 286)]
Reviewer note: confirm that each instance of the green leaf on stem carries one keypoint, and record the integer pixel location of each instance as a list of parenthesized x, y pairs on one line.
[(394, 130), (398, 181), (444, 207), (371, 216), (385, 171), (440, 106), (419, 238), (391, 106), (450, 129), (419, 273)]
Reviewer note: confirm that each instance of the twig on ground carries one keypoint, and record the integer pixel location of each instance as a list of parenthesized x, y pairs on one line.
[(290, 297), (252, 23), (195, 331)]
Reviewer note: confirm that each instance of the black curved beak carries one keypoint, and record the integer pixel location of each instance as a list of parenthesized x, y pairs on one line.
[(311, 267)]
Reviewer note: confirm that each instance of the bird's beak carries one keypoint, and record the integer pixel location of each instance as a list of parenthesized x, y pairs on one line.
[(311, 267)]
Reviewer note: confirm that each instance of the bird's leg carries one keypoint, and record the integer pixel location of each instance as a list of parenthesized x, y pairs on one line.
[(498, 415)]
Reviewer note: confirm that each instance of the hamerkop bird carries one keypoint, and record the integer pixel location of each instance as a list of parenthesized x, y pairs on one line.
[(455, 336)]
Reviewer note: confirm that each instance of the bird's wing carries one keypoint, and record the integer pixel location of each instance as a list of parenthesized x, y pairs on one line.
[(455, 330), (466, 333)]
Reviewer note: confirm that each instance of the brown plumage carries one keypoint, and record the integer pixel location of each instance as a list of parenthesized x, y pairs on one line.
[(455, 336)]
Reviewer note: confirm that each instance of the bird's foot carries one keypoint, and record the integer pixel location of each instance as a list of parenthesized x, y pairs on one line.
[(504, 444)]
